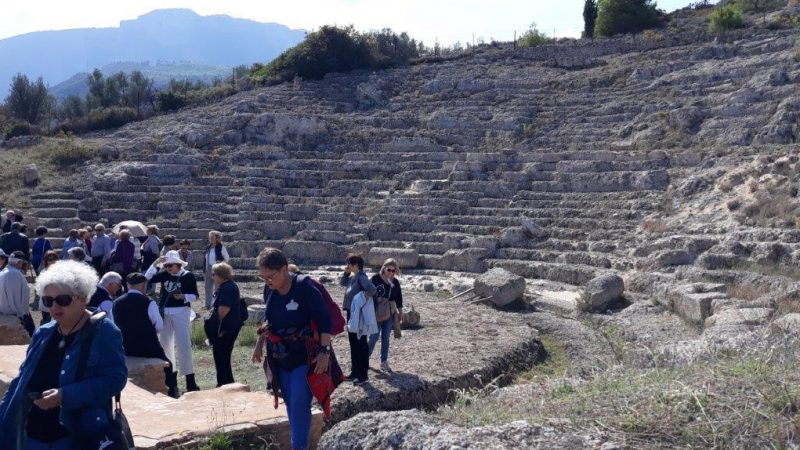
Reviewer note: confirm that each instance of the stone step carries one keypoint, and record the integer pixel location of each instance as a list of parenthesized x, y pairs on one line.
[(574, 274)]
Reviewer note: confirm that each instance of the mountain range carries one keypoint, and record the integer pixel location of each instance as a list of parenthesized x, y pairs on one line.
[(168, 35)]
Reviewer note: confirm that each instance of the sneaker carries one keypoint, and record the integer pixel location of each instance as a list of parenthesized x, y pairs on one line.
[(385, 367), (360, 381)]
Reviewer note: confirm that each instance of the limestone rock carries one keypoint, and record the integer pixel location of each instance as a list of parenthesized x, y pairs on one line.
[(741, 316), (12, 332), (31, 175), (313, 252), (412, 429), (789, 324), (599, 292), (427, 286), (501, 285), (147, 373), (256, 313), (406, 257)]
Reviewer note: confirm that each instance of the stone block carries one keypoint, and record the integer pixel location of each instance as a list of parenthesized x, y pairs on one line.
[(694, 307), (789, 324), (742, 316), (12, 332), (600, 291), (501, 285), (147, 373), (256, 313), (406, 257), (313, 252)]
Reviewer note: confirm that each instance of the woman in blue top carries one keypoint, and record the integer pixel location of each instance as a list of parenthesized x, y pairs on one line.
[(46, 405), (40, 246), (292, 307)]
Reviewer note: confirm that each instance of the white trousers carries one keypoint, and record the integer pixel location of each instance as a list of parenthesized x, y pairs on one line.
[(177, 332)]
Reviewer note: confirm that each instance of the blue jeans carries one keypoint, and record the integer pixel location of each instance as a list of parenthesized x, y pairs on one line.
[(61, 444), (297, 397), (385, 332)]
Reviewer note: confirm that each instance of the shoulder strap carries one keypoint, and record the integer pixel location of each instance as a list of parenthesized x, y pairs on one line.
[(86, 346)]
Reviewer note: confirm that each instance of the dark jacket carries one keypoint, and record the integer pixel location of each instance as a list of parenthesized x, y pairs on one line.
[(124, 254), (15, 241), (228, 295), (84, 403), (138, 333), (383, 287)]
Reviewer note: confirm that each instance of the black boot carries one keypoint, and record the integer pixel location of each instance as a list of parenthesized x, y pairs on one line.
[(172, 382), (191, 386)]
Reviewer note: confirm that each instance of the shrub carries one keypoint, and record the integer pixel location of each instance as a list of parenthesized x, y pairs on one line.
[(20, 129), (104, 118), (532, 38), (627, 16), (170, 101), (726, 18), (332, 49), (71, 154)]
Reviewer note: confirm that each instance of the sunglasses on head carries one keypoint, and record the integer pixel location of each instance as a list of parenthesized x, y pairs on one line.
[(60, 300)]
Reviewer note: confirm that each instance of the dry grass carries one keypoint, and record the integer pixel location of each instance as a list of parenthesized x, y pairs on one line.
[(736, 399), (54, 158), (656, 225), (747, 291)]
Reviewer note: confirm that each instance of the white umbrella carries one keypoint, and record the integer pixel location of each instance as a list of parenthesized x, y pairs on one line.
[(136, 228)]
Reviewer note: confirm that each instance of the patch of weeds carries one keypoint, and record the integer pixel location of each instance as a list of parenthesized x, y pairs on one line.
[(247, 336), (555, 364), (747, 291), (198, 334)]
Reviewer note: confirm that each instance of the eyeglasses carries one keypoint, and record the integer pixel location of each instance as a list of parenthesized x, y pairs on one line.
[(61, 300), (269, 278), (391, 270), (167, 266)]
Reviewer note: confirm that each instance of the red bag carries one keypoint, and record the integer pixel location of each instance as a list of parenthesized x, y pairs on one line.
[(337, 319)]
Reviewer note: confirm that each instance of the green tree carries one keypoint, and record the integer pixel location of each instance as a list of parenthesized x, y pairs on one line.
[(724, 18), (72, 107), (626, 16), (589, 18), (96, 95), (140, 92), (533, 37), (29, 101)]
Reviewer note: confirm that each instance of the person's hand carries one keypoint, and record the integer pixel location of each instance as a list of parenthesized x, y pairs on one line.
[(347, 270), (160, 259), (51, 398), (322, 363), (258, 355)]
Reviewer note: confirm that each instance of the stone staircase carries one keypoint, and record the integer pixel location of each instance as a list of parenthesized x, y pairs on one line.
[(453, 160)]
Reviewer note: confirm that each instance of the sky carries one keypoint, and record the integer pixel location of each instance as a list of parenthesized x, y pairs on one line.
[(447, 21)]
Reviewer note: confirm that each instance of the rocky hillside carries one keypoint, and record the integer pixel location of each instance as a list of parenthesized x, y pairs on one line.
[(669, 159), (546, 161)]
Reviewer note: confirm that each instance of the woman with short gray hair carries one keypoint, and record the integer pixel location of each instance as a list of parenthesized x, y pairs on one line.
[(57, 401)]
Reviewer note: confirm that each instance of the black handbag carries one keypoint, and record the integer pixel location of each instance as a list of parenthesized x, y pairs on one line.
[(117, 434)]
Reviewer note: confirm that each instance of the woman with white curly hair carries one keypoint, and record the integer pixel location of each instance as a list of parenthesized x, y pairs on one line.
[(74, 366)]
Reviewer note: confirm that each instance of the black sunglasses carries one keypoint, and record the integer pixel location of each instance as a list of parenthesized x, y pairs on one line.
[(391, 270), (167, 266), (61, 300)]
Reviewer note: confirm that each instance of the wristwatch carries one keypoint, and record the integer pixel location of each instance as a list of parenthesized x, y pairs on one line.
[(325, 349)]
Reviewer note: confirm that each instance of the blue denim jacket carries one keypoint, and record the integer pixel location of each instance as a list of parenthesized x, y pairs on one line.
[(85, 405)]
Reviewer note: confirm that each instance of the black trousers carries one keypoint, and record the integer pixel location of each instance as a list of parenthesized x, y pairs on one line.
[(222, 348), (27, 323), (359, 354), (97, 263)]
